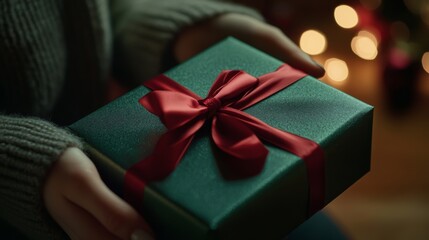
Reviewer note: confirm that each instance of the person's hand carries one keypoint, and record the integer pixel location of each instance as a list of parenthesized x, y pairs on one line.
[(252, 31), (84, 207)]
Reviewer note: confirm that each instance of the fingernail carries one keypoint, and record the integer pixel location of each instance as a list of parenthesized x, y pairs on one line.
[(140, 235), (318, 64), (321, 68)]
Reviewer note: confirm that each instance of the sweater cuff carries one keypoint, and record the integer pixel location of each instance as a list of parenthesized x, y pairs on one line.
[(143, 35), (28, 148)]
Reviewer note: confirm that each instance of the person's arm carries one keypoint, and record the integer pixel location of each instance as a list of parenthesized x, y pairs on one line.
[(28, 148), (145, 31), (253, 31), (45, 176), (84, 206), (33, 151)]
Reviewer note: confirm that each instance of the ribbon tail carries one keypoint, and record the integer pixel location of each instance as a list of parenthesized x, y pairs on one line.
[(133, 189), (167, 154), (269, 84), (304, 148), (244, 154), (316, 179)]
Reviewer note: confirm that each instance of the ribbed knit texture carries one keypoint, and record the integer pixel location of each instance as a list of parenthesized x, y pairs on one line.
[(28, 147), (32, 64), (54, 61), (87, 34), (54, 57), (145, 32)]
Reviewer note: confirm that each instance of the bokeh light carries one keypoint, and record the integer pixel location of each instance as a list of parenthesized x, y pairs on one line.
[(370, 35), (336, 69), (313, 42), (364, 47), (346, 16), (399, 58), (425, 61)]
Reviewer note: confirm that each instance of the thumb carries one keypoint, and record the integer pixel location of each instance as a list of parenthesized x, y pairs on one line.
[(116, 215)]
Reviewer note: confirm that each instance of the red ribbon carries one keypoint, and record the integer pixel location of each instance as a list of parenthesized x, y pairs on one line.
[(236, 133)]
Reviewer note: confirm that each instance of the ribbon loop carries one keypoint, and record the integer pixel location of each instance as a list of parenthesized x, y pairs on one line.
[(235, 133), (232, 85), (244, 154)]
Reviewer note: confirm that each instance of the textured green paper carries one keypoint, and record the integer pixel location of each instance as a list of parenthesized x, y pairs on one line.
[(196, 201)]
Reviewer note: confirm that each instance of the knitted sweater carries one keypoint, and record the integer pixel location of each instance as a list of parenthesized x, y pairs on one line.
[(55, 57)]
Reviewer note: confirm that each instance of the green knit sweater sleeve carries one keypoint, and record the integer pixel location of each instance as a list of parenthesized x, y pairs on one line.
[(144, 30), (28, 148)]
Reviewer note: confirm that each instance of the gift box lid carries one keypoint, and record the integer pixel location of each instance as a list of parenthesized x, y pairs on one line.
[(124, 132)]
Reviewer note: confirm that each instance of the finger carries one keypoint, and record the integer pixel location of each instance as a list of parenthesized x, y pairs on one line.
[(78, 223), (273, 41), (112, 212), (269, 39), (294, 56)]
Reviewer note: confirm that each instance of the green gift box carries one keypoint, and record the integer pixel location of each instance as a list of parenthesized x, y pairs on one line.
[(196, 201)]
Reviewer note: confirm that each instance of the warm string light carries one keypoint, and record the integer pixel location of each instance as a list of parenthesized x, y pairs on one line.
[(425, 61), (336, 69), (346, 16), (369, 34), (365, 43), (364, 47), (313, 42)]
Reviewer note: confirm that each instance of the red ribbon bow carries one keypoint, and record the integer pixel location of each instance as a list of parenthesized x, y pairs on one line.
[(236, 133)]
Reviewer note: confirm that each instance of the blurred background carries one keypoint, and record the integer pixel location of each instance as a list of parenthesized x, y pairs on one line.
[(378, 52)]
